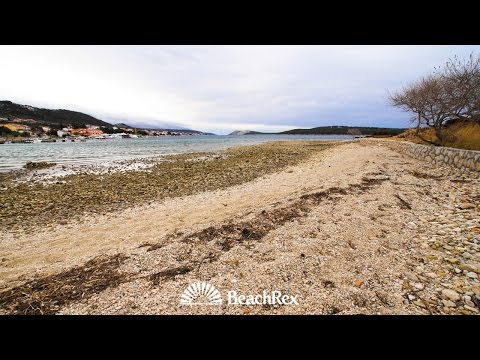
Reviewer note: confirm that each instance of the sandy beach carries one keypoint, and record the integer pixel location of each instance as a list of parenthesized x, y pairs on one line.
[(347, 227)]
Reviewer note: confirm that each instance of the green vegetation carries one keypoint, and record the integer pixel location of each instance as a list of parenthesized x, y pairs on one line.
[(48, 117), (344, 130)]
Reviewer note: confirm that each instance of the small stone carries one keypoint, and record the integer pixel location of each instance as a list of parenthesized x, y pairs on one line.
[(465, 206), (472, 275), (411, 276), (448, 303), (457, 270), (358, 283), (411, 297), (431, 275), (466, 267), (418, 286), (441, 232), (452, 260), (419, 303), (469, 303), (450, 294), (412, 225), (471, 309)]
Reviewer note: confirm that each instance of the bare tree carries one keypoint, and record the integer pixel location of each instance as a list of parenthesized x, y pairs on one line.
[(426, 98), (463, 86), (449, 93)]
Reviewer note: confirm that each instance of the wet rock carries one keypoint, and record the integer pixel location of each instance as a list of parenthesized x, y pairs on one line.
[(32, 165)]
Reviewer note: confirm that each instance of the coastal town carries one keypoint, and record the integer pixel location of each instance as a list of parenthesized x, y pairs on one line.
[(17, 131)]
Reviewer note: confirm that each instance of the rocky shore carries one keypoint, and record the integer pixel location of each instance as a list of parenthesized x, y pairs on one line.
[(347, 228), (31, 200)]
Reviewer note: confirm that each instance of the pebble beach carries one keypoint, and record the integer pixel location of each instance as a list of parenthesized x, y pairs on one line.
[(348, 227)]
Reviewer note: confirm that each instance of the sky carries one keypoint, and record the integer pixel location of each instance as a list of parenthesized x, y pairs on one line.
[(221, 88)]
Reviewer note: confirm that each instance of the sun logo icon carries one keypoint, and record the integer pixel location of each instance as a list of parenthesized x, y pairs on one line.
[(201, 293)]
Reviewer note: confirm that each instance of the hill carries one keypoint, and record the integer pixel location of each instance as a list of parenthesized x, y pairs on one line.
[(57, 119), (246, 132), (344, 130), (31, 115)]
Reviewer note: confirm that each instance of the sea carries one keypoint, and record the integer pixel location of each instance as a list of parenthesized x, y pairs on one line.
[(15, 156)]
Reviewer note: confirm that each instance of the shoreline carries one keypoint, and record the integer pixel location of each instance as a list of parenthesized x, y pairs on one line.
[(31, 203), (350, 228)]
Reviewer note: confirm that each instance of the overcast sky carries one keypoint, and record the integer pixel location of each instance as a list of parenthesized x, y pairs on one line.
[(220, 88)]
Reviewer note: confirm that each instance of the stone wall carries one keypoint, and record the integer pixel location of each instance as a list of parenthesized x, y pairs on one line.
[(458, 158)]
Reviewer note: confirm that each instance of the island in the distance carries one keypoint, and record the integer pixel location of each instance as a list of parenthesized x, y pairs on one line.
[(331, 130)]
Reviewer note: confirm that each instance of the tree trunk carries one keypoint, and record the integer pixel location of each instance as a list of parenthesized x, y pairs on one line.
[(439, 134), (417, 132)]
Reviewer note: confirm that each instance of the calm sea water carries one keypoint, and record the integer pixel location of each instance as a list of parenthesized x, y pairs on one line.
[(14, 156)]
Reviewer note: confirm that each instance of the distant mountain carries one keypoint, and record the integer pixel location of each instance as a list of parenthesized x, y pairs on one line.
[(37, 117), (245, 132), (30, 114), (329, 130), (122, 125), (185, 131), (344, 130)]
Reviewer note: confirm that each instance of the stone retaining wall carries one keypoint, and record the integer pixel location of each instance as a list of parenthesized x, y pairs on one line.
[(458, 158)]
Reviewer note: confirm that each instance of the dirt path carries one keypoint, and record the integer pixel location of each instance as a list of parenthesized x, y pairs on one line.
[(335, 230)]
